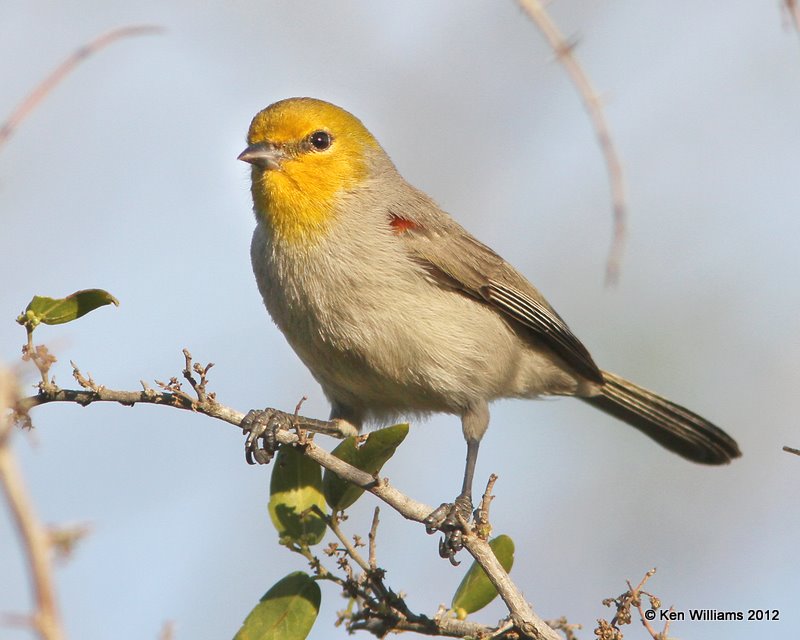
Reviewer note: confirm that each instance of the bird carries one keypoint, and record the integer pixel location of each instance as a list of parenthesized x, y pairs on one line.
[(397, 310)]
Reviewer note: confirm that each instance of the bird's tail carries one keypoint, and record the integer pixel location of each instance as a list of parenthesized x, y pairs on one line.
[(669, 424)]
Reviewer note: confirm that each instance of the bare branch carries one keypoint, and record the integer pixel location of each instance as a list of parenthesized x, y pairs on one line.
[(564, 50), (167, 631), (373, 536), (521, 613), (482, 513), (623, 603), (567, 628), (59, 73), (444, 627), (636, 600), (36, 539), (178, 400), (333, 523), (793, 9)]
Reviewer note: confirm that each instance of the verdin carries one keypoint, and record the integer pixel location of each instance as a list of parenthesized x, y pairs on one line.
[(397, 310)]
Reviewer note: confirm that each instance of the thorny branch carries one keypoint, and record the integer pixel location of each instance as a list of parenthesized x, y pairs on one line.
[(527, 624), (594, 106)]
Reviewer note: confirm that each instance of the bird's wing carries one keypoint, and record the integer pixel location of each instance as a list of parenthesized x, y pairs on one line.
[(455, 259)]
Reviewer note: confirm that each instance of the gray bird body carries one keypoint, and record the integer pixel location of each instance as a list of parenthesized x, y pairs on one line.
[(397, 310)]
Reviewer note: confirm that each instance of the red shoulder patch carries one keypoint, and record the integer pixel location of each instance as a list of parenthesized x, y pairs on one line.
[(400, 224)]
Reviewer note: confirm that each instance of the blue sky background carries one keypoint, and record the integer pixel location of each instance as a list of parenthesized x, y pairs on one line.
[(126, 178)]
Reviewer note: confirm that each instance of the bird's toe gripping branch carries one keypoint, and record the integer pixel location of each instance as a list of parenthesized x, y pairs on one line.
[(260, 426), (452, 519)]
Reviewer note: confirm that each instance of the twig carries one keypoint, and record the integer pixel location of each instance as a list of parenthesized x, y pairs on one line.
[(665, 633), (623, 603), (198, 386), (42, 360), (374, 576), (167, 631), (317, 567), (521, 613), (172, 395), (24, 109), (564, 626), (381, 610), (501, 630), (35, 537), (792, 450), (373, 534), (446, 627), (636, 599), (482, 513), (302, 434), (333, 523), (563, 49), (793, 9)]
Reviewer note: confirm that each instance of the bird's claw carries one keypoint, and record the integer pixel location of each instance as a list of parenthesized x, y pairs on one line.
[(260, 427), (451, 519)]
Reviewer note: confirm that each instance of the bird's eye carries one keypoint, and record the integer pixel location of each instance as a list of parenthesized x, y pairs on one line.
[(320, 140)]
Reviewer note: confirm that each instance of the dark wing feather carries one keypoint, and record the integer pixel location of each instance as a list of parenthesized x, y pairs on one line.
[(545, 322)]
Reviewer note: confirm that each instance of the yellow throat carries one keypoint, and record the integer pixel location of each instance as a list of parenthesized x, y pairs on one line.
[(297, 179)]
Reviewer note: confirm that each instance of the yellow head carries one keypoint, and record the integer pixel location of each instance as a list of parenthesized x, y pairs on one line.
[(305, 153)]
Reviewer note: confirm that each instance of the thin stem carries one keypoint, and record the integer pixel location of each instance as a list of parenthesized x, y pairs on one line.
[(33, 99), (563, 49), (373, 534), (34, 536), (333, 523)]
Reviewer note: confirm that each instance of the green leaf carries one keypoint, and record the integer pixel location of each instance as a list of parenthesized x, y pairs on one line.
[(378, 447), (295, 488), (60, 310), (475, 590), (286, 612)]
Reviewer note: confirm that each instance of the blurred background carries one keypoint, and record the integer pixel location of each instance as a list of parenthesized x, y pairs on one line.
[(126, 178)]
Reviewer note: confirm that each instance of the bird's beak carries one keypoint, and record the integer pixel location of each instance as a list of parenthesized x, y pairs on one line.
[(263, 155)]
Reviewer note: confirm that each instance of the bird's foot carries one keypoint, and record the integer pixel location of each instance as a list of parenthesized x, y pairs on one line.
[(452, 519), (260, 427)]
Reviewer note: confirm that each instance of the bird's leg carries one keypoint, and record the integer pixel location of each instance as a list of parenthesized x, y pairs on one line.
[(450, 517), (260, 427)]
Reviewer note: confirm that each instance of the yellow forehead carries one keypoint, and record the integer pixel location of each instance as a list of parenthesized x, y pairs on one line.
[(294, 119)]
